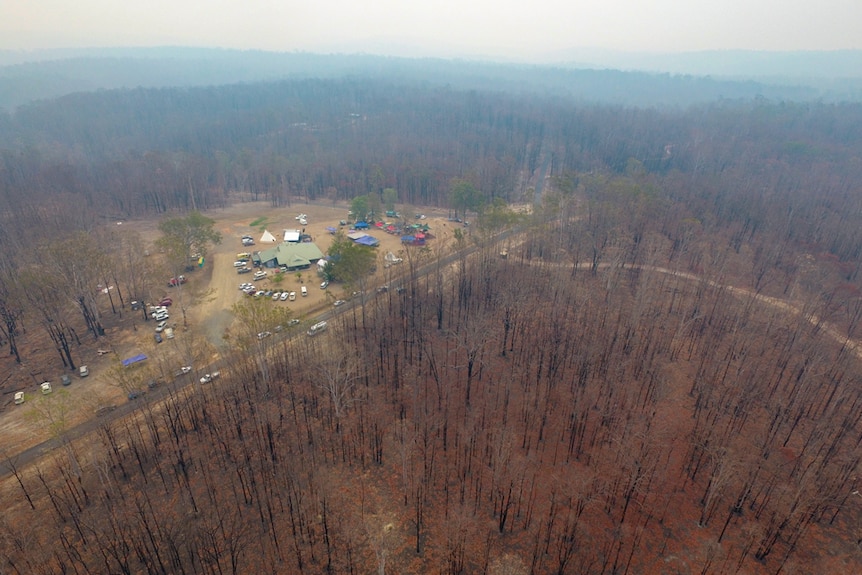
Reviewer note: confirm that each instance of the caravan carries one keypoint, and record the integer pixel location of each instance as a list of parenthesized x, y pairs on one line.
[(317, 328)]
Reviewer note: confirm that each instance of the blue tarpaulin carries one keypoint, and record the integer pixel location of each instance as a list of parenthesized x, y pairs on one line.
[(134, 359), (367, 241)]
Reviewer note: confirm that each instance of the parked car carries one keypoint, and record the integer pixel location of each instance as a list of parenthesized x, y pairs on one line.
[(135, 394), (65, 379), (239, 264), (160, 327), (157, 337), (19, 397), (169, 332), (324, 284), (245, 270), (174, 282), (166, 302), (284, 295), (263, 335), (339, 302), (259, 275), (45, 387), (245, 286), (243, 256), (293, 322), (292, 296), (276, 295), (383, 289), (83, 371), (209, 377), (304, 291), (182, 370)]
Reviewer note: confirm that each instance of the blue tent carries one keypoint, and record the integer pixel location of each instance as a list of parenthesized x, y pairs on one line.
[(134, 359), (361, 226), (368, 241)]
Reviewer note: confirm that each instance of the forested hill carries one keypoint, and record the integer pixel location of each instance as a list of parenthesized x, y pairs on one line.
[(24, 82), (143, 151)]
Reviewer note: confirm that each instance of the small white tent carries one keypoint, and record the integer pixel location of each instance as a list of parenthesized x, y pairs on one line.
[(267, 238)]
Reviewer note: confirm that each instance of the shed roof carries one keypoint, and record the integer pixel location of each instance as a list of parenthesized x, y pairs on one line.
[(292, 254)]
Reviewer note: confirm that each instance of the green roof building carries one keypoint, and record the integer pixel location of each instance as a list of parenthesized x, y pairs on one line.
[(293, 255)]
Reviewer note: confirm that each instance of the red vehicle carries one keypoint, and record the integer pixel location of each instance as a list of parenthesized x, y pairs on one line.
[(174, 282), (166, 302)]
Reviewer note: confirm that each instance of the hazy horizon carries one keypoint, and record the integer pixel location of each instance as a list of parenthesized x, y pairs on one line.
[(506, 30)]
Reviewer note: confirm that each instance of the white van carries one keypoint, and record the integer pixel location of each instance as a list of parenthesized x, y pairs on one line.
[(46, 388), (84, 371), (19, 397), (304, 291), (259, 275), (317, 328), (169, 333)]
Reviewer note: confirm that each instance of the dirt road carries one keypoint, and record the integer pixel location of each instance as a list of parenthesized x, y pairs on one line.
[(208, 298)]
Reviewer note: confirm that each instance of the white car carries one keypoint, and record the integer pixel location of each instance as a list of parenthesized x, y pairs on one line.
[(209, 377), (161, 326), (259, 275), (276, 295), (292, 296), (284, 296)]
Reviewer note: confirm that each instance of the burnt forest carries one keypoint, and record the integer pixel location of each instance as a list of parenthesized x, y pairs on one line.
[(641, 357)]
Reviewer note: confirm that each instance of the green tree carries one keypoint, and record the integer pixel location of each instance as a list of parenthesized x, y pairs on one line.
[(465, 197), (359, 207), (183, 237), (256, 315), (390, 196), (373, 205), (349, 263)]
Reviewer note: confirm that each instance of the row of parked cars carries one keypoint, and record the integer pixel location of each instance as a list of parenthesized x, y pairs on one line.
[(276, 295), (45, 387)]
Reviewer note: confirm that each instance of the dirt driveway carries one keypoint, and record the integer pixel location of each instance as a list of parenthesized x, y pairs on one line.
[(212, 316)]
